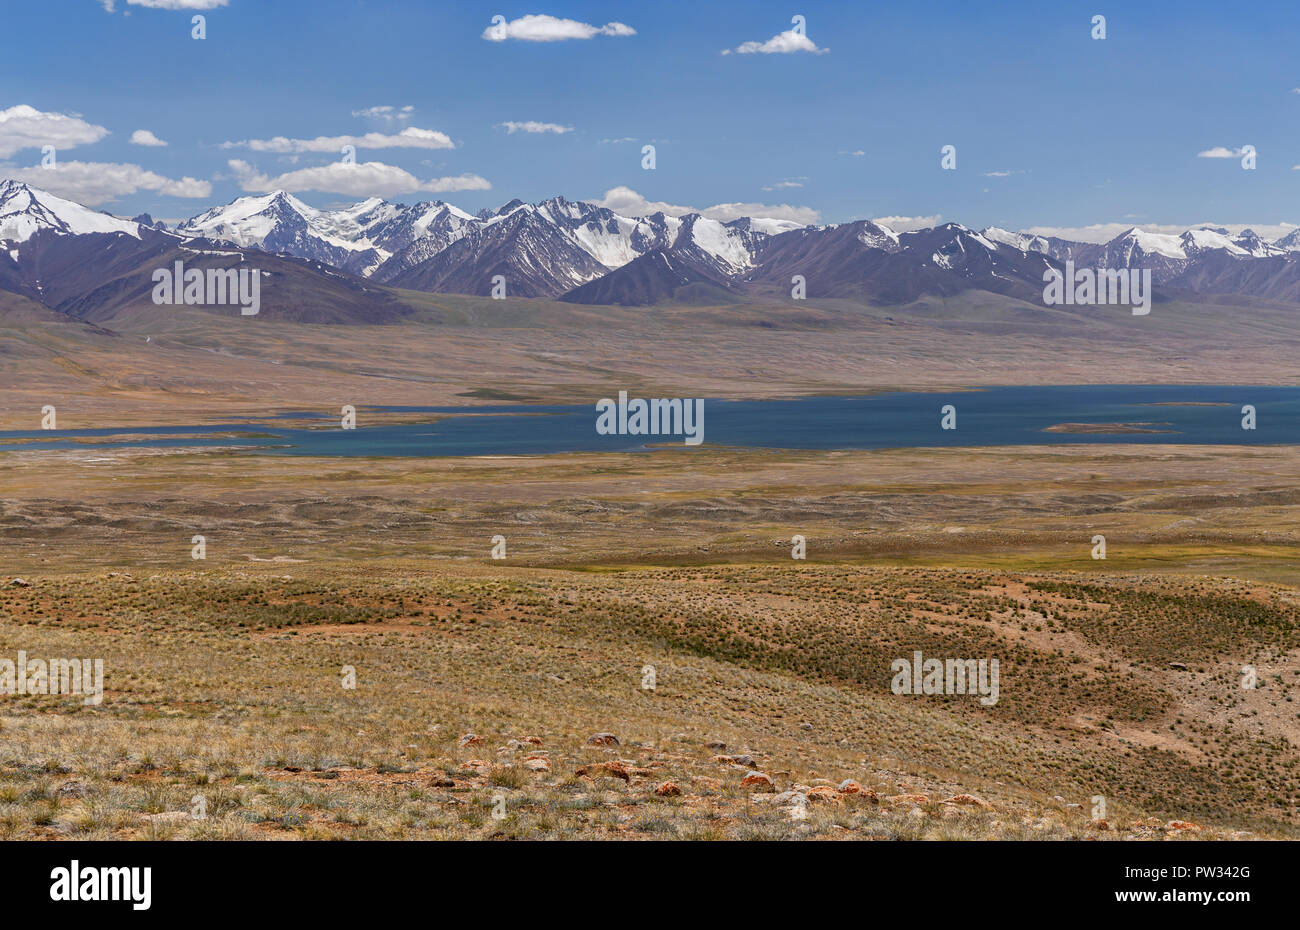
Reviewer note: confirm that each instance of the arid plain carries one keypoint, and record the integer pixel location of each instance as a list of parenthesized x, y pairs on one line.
[(650, 596)]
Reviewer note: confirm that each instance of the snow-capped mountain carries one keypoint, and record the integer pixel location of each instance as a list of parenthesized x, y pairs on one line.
[(572, 242), (281, 223), (1023, 242), (519, 243), (61, 252), (1288, 243), (1255, 246), (26, 210)]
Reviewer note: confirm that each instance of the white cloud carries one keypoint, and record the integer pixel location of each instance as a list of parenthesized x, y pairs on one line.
[(856, 153), (408, 138), (364, 179), (908, 223), (543, 28), (783, 43), (618, 141), (145, 137), (386, 113), (1220, 152), (1004, 174), (178, 4), (1104, 232), (786, 184), (94, 183), (24, 127), (725, 212), (628, 202), (534, 126)]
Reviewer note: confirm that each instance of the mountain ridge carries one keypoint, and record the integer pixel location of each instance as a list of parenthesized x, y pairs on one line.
[(583, 252)]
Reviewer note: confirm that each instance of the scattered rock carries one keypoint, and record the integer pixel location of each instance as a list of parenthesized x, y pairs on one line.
[(900, 799), (603, 739), (970, 800), (1184, 825), (758, 780), (951, 811), (668, 790), (1098, 824), (745, 760), (823, 793), (441, 781), (20, 583), (597, 769), (537, 764), (849, 786), (716, 744), (470, 739), (74, 789)]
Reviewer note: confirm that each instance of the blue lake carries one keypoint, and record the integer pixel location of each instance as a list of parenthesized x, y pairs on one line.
[(988, 417)]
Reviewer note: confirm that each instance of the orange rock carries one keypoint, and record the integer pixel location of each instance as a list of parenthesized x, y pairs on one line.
[(908, 799), (823, 793), (603, 739), (1184, 825), (971, 801), (597, 769), (745, 760), (1098, 824), (849, 786), (758, 780), (532, 740), (668, 790), (470, 739)]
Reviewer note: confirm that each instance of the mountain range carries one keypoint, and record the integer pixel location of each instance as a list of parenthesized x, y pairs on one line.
[(344, 265)]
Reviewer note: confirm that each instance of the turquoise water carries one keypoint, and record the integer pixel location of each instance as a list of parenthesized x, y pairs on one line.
[(998, 416)]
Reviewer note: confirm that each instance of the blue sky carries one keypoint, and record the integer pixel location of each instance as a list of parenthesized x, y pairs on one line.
[(1053, 129)]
